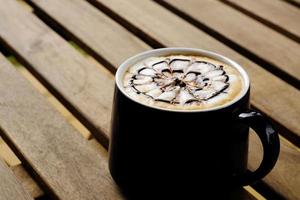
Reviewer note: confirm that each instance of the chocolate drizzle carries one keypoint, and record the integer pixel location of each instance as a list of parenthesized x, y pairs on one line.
[(180, 81)]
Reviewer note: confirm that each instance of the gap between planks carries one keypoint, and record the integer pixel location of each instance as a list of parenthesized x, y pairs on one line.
[(10, 187), (272, 19), (55, 103), (295, 3)]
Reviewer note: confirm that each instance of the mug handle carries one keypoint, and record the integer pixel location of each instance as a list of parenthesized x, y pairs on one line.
[(271, 146)]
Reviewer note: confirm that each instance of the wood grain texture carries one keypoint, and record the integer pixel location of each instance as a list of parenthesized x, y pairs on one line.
[(278, 12), (55, 103), (248, 33), (10, 188), (285, 177), (269, 93), (27, 182), (103, 35), (78, 83), (31, 185), (59, 157), (7, 155)]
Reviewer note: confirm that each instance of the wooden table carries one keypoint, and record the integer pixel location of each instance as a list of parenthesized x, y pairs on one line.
[(57, 63)]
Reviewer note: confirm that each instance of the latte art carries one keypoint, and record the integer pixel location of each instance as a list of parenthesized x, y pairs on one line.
[(182, 82)]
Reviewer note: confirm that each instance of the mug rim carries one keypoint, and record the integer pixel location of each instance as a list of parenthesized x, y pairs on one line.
[(181, 50)]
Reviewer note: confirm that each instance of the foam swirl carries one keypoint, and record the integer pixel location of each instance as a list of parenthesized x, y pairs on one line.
[(178, 80)]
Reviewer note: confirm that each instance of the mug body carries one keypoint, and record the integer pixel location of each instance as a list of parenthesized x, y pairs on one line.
[(152, 148)]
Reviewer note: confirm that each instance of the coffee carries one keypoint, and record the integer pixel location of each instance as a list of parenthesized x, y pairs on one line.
[(182, 82)]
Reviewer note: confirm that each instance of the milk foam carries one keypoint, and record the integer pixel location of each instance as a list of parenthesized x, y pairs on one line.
[(182, 82)]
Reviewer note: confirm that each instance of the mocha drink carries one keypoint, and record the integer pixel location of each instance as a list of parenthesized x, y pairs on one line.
[(182, 82)]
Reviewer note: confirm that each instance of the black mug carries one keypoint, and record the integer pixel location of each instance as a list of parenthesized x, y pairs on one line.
[(173, 152)]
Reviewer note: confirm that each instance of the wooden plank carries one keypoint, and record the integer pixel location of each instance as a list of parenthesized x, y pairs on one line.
[(56, 104), (278, 50), (269, 93), (278, 13), (97, 30), (7, 155), (27, 182), (25, 5), (32, 187), (10, 188), (246, 32), (98, 147), (254, 193), (84, 87), (58, 157), (285, 177)]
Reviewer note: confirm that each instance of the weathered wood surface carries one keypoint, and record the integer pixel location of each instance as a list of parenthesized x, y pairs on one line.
[(259, 39), (10, 188), (99, 32), (56, 104), (277, 12), (59, 157), (73, 79), (32, 186), (7, 155), (27, 182)]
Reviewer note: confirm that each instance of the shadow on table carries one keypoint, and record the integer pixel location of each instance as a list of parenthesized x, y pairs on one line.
[(168, 193)]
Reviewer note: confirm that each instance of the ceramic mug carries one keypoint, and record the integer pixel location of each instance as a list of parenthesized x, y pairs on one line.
[(152, 148)]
